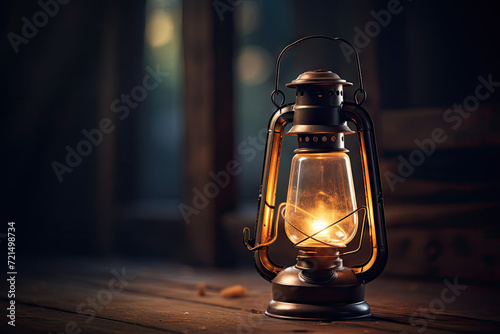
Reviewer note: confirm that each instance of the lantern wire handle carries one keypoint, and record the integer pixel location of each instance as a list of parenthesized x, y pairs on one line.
[(281, 212), (276, 91), (282, 209), (247, 240), (361, 235)]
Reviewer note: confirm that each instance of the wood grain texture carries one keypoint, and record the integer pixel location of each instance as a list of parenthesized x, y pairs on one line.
[(163, 299)]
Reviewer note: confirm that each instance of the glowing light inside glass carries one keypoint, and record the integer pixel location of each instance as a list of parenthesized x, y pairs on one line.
[(321, 192)]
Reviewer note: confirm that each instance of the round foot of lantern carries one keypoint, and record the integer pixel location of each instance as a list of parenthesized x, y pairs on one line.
[(294, 311), (341, 298)]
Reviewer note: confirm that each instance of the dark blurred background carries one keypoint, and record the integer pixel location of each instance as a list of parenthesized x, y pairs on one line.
[(116, 115)]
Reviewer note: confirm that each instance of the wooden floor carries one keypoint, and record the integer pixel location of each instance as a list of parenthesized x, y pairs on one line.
[(82, 296)]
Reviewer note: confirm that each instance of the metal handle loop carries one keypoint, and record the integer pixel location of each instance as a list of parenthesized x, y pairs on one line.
[(276, 91), (362, 91), (273, 98)]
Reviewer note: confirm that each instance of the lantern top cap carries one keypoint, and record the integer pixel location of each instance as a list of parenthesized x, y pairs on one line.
[(318, 77)]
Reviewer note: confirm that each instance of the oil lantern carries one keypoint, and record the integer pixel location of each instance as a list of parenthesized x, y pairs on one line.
[(321, 216)]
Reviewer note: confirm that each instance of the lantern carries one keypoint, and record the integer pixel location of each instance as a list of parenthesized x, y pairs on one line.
[(320, 214)]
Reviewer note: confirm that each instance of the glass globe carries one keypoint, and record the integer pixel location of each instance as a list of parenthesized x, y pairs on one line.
[(320, 192)]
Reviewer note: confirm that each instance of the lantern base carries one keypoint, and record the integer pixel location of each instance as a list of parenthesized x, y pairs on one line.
[(294, 311), (340, 299)]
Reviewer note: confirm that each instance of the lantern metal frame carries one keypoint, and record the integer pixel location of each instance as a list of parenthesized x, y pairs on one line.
[(303, 291)]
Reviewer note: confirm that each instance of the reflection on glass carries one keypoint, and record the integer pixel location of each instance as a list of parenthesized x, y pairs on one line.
[(320, 193)]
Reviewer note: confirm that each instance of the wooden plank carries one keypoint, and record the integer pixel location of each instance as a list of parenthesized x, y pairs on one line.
[(199, 141), (413, 190), (105, 152), (369, 58), (164, 298), (383, 306), (403, 126), (470, 253), (208, 128), (172, 315), (425, 215), (35, 319)]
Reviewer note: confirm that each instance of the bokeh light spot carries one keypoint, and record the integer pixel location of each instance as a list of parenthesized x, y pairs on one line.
[(159, 28), (254, 65)]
